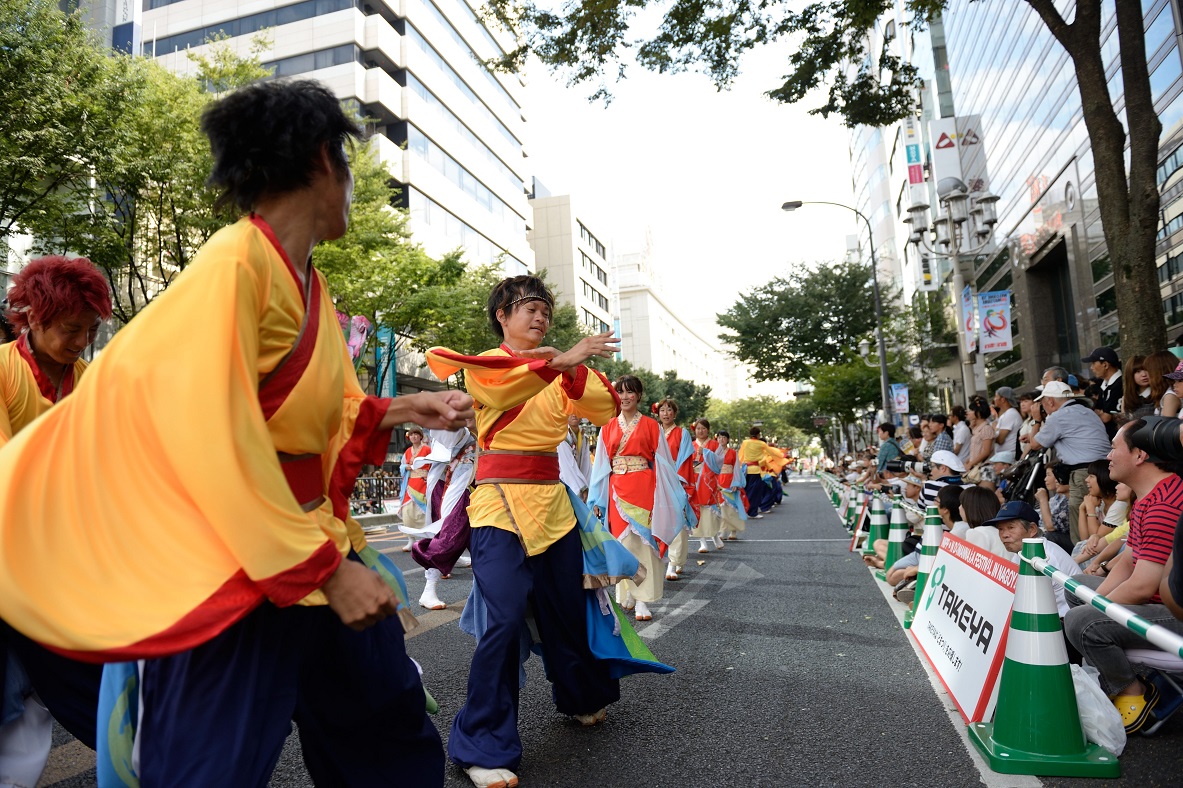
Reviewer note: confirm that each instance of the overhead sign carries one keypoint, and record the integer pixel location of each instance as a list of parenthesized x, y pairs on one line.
[(962, 622), (994, 321), (959, 152), (899, 397)]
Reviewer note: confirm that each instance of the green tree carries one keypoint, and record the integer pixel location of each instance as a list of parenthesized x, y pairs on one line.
[(691, 397), (63, 100), (827, 45), (812, 316), (145, 211)]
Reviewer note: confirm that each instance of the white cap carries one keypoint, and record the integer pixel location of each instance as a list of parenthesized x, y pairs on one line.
[(1057, 389), (948, 458)]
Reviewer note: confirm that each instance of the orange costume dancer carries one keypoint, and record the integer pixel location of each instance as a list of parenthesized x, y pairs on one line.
[(525, 543), (681, 446), (56, 304), (413, 510), (733, 510), (636, 489), (209, 454), (707, 496)]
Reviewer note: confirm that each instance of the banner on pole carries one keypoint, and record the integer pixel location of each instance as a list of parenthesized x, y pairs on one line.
[(967, 320), (994, 321), (899, 397), (962, 622)]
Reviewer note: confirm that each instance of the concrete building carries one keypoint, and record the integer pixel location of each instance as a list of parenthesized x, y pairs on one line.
[(658, 335), (574, 258), (451, 130)]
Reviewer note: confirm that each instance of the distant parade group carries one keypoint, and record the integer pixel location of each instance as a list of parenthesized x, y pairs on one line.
[(181, 576)]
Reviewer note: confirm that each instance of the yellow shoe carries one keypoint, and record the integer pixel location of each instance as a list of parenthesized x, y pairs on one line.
[(1134, 709)]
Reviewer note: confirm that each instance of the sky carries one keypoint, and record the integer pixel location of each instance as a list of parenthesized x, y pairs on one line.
[(701, 173)]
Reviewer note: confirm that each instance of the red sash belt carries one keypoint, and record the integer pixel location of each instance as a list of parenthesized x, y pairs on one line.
[(305, 478), (517, 467)]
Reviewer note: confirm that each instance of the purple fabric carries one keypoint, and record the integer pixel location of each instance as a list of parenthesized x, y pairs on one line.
[(442, 551), (437, 500)]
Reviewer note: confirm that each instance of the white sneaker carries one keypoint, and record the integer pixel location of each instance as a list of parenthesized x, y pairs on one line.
[(463, 561), (491, 778), (428, 598)]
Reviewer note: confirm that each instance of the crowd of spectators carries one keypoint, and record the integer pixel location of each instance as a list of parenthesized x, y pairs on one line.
[(1092, 464)]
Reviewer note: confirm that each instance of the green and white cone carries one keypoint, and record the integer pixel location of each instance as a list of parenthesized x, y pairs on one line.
[(1036, 728), (895, 538), (878, 529), (930, 543)]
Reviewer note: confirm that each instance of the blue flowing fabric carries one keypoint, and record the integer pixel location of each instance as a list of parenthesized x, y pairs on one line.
[(609, 634)]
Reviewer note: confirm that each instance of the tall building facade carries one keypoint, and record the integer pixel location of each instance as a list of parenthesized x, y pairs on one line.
[(657, 336), (1006, 67), (451, 130), (574, 258)]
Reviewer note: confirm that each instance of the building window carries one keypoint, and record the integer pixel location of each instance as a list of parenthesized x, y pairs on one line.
[(591, 240), (244, 26)]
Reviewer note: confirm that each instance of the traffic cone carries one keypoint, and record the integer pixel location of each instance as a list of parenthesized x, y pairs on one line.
[(852, 510), (934, 531), (1036, 728), (878, 529), (895, 538)]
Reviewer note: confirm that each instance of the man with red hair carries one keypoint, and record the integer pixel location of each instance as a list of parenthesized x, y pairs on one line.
[(55, 307)]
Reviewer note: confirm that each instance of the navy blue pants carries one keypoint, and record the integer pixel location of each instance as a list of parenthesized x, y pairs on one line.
[(68, 688), (759, 494), (485, 730), (218, 714), (777, 492)]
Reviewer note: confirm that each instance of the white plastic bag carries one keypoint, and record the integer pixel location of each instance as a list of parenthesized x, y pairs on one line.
[(1099, 718)]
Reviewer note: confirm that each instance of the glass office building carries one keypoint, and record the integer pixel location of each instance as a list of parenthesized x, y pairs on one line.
[(1005, 65)]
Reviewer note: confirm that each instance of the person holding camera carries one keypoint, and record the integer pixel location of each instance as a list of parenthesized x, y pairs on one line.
[(1078, 436), (946, 468)]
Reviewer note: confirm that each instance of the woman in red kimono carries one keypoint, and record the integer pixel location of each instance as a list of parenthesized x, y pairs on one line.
[(708, 497), (634, 484), (733, 511), (681, 449), (413, 510)]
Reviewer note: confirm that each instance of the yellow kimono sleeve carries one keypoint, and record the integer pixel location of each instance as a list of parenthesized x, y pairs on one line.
[(495, 379), (179, 519), (592, 396)]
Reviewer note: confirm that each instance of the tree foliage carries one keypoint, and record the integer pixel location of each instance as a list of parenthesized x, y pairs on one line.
[(775, 417), (827, 46), (812, 316), (63, 100), (144, 211)]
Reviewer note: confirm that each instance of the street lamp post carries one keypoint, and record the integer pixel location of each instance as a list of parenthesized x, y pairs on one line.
[(884, 388), (957, 230)]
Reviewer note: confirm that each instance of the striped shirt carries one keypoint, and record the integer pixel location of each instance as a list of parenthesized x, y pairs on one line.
[(1152, 524)]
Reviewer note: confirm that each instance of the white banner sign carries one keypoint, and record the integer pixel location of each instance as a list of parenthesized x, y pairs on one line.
[(899, 398), (994, 321), (967, 320), (962, 622)]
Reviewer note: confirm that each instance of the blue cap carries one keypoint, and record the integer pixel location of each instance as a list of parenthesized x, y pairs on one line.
[(1014, 510), (1074, 383)]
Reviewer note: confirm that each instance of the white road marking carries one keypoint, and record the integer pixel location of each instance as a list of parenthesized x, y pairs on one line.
[(686, 601)]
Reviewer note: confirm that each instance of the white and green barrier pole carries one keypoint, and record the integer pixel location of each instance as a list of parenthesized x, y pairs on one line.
[(1160, 636), (930, 544)]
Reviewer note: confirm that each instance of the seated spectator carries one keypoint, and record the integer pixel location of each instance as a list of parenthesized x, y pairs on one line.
[(1134, 577), (1052, 500), (1113, 528), (1009, 422), (981, 444), (940, 435), (1078, 436), (1158, 366), (996, 467), (946, 469), (1135, 392), (1102, 494), (911, 445), (1018, 521), (949, 506), (978, 507), (961, 434)]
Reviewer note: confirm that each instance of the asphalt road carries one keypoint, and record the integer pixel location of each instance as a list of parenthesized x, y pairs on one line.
[(792, 670)]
